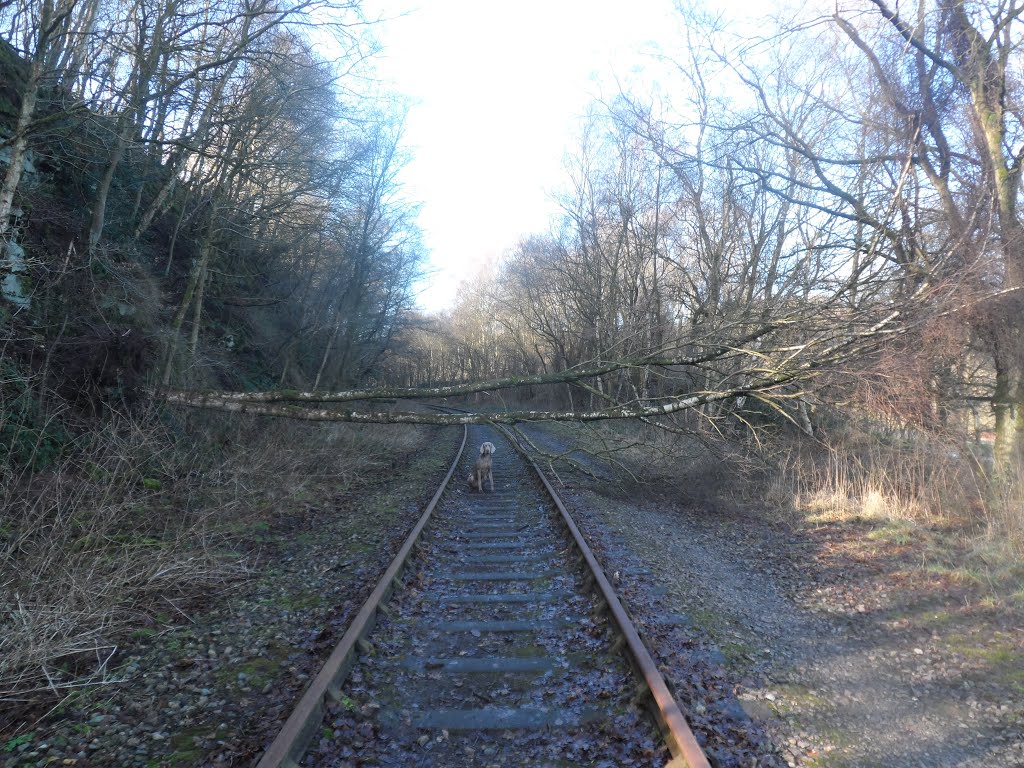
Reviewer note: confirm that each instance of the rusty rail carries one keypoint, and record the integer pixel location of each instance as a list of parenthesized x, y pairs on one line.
[(293, 739), (297, 731), (676, 731)]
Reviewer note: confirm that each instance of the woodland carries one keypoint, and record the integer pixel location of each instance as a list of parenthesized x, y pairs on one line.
[(804, 255)]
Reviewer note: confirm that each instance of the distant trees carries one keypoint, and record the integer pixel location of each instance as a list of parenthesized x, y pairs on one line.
[(841, 170), (849, 186), (908, 121), (377, 251), (684, 275), (682, 284), (950, 74)]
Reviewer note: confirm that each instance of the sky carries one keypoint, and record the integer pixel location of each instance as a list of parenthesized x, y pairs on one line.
[(497, 89)]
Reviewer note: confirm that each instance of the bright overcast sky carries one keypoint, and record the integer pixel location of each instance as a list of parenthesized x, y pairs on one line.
[(497, 90)]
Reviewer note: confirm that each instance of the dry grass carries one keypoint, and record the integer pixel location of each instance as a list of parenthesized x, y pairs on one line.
[(916, 488), (1004, 516), (82, 556), (144, 517), (876, 476)]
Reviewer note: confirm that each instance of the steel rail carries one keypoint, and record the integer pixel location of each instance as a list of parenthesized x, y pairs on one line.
[(676, 731), (296, 733)]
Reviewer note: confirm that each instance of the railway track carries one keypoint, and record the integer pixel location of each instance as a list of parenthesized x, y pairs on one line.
[(494, 639)]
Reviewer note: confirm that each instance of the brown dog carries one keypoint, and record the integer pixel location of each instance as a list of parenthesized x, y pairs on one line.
[(482, 469)]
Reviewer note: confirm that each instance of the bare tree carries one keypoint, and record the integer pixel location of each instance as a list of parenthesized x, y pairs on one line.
[(924, 152), (52, 34)]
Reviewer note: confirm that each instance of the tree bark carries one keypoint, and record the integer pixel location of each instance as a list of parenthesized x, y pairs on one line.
[(193, 291), (19, 147), (212, 402), (99, 207)]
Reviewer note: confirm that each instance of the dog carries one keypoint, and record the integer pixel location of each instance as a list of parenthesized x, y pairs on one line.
[(482, 469)]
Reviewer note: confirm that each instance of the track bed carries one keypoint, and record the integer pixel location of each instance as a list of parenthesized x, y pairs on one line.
[(492, 650)]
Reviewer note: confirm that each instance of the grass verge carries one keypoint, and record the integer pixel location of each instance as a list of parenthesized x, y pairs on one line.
[(151, 514)]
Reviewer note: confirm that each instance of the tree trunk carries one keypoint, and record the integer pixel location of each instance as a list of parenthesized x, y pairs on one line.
[(19, 148), (99, 207), (1008, 407), (194, 290), (197, 305), (327, 350)]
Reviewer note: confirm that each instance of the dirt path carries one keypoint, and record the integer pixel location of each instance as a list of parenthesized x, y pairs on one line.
[(833, 640)]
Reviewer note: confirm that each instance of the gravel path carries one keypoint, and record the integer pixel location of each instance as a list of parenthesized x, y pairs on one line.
[(841, 659)]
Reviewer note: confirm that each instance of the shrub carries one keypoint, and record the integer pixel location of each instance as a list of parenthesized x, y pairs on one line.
[(28, 437)]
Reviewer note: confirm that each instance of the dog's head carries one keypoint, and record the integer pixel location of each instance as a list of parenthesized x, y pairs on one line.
[(487, 449)]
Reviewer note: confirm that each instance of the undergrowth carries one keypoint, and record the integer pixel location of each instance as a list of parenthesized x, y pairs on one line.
[(137, 519), (916, 488), (929, 491)]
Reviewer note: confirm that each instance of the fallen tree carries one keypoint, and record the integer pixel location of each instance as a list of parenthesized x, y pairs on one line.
[(747, 366)]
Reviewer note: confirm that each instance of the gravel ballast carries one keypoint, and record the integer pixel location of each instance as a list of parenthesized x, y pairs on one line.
[(819, 645)]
